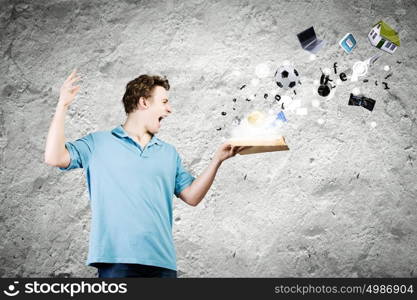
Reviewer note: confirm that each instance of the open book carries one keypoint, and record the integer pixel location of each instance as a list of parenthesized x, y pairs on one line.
[(260, 145)]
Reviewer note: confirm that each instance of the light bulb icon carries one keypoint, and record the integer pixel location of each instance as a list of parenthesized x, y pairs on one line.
[(359, 69)]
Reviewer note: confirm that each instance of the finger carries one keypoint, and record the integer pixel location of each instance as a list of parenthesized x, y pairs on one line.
[(75, 79), (244, 148), (68, 79), (238, 149), (241, 148), (235, 150), (72, 75)]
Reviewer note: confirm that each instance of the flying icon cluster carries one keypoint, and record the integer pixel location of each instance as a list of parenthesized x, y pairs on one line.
[(287, 77)]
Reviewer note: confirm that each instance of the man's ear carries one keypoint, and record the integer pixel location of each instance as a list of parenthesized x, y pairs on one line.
[(143, 103)]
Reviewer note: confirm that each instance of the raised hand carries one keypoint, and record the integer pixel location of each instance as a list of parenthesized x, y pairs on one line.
[(68, 91)]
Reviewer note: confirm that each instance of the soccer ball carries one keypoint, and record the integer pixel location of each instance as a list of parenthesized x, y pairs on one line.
[(286, 77)]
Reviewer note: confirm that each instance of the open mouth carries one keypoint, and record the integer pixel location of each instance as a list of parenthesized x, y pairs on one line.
[(160, 119)]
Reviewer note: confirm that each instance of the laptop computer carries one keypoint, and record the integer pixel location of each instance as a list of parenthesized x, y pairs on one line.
[(309, 41)]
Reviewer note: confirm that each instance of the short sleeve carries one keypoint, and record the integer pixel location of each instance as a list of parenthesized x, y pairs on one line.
[(183, 179), (80, 152)]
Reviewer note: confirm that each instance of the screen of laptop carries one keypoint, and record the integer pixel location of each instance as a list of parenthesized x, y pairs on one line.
[(307, 36)]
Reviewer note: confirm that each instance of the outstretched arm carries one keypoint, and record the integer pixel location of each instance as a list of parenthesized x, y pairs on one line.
[(193, 194), (55, 152)]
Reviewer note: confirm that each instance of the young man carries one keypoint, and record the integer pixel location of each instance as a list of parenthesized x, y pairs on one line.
[(131, 177)]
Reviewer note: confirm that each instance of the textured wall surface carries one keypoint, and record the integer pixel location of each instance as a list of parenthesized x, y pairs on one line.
[(343, 200)]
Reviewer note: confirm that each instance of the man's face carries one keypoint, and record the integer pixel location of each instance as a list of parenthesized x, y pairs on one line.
[(158, 109)]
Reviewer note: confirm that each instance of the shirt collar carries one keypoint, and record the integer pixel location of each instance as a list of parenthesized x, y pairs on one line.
[(120, 132)]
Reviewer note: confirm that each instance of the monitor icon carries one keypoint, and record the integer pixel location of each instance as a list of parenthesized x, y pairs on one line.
[(348, 42)]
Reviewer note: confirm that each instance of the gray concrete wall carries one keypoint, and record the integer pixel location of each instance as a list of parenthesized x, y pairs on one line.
[(341, 202)]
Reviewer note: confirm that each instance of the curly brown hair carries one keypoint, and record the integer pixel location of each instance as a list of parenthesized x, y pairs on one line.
[(141, 86)]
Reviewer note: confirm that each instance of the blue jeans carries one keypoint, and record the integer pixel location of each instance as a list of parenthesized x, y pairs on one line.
[(119, 270)]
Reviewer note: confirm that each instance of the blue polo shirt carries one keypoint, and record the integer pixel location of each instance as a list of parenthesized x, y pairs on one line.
[(130, 192)]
